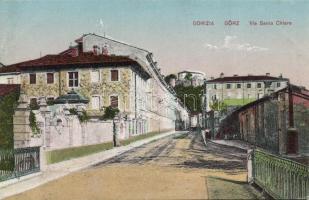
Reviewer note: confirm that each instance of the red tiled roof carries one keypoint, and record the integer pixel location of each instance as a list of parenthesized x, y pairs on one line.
[(7, 69), (244, 78), (6, 88), (58, 61)]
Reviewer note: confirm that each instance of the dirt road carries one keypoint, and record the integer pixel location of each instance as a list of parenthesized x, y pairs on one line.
[(176, 167)]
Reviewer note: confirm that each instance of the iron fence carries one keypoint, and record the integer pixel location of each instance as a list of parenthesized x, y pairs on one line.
[(280, 177), (19, 162)]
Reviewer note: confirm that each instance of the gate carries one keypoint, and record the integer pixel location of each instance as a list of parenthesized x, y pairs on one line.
[(19, 162)]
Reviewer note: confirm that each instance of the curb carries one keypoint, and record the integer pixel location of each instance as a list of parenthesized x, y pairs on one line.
[(18, 179), (243, 148)]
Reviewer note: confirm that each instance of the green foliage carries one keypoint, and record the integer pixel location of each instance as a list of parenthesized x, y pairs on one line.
[(83, 117), (169, 77), (73, 111), (219, 106), (8, 104), (188, 76), (34, 105), (33, 123), (109, 113), (50, 102), (192, 96)]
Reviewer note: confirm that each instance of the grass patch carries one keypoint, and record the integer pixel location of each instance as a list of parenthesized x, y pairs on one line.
[(139, 137), (75, 152), (238, 102), (219, 188)]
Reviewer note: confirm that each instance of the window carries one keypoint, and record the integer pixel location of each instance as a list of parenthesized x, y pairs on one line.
[(114, 101), (238, 85), (50, 78), (228, 86), (215, 86), (114, 75), (259, 85), (95, 76), (32, 78), (249, 85), (278, 84), (95, 102), (73, 79), (10, 80)]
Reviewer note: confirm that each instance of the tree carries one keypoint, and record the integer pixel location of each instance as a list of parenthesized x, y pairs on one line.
[(188, 76), (169, 77), (109, 113), (191, 96), (218, 106)]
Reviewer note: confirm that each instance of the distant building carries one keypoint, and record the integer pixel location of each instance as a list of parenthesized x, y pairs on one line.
[(9, 75), (240, 90), (194, 78)]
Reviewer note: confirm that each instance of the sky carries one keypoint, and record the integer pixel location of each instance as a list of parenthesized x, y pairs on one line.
[(169, 29)]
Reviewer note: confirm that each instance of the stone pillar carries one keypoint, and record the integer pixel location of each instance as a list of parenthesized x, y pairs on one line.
[(45, 112), (22, 130), (249, 165)]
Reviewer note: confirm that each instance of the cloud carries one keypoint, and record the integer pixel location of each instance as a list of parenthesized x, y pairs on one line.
[(210, 46), (230, 43)]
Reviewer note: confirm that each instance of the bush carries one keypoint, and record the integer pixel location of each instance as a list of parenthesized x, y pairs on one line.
[(73, 111), (34, 105), (8, 104), (109, 113), (33, 124), (83, 117)]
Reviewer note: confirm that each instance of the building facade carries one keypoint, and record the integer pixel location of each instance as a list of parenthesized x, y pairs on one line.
[(240, 90), (194, 78), (125, 81)]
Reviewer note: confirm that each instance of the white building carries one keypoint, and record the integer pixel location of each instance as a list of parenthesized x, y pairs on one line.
[(154, 97), (196, 78), (239, 90), (9, 77)]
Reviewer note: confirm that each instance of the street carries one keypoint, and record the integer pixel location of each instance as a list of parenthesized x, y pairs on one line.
[(175, 167)]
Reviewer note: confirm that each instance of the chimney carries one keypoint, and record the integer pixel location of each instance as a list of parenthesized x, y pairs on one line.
[(79, 48), (235, 75), (212, 78), (267, 74), (221, 75), (280, 76)]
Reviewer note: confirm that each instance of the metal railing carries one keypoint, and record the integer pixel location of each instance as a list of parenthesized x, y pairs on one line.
[(19, 162), (279, 177)]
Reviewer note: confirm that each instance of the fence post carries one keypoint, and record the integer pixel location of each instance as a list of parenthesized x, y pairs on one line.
[(250, 154), (43, 159)]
